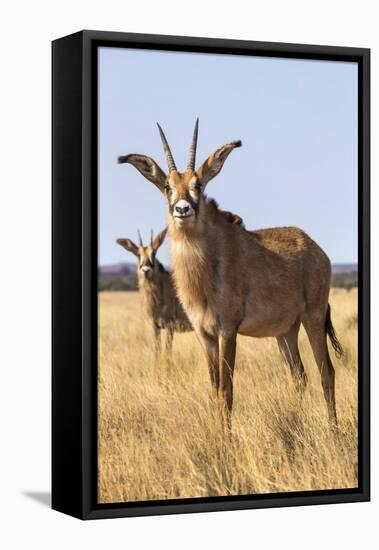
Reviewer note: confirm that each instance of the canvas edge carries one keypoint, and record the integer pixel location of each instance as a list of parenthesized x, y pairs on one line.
[(83, 502)]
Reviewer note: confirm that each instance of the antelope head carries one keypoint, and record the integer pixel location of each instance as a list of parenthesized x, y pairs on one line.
[(145, 254), (183, 190)]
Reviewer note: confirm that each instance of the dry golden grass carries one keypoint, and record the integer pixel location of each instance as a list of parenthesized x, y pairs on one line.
[(159, 431)]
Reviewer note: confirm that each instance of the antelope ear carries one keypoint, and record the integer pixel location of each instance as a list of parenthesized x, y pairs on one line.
[(213, 165), (158, 241), (147, 167), (128, 245)]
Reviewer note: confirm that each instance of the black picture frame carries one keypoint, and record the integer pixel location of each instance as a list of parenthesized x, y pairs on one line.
[(74, 272)]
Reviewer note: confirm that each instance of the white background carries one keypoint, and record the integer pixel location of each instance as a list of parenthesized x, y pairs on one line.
[(27, 29)]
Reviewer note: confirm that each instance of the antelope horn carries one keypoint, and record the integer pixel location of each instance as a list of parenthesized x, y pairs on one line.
[(139, 237), (192, 152), (167, 150), (151, 237)]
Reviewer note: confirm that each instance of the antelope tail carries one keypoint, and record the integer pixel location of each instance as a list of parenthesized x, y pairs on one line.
[(329, 329)]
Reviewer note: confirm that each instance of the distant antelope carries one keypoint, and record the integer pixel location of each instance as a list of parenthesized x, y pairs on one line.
[(159, 301), (229, 280)]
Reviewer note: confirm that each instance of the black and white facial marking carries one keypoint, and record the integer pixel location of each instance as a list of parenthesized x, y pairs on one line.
[(183, 192), (146, 255), (146, 260)]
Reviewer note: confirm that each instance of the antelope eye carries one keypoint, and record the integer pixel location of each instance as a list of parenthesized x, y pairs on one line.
[(167, 188), (198, 186)]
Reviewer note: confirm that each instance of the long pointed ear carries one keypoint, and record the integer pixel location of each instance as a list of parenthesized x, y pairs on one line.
[(213, 165), (128, 245), (147, 167), (158, 241)]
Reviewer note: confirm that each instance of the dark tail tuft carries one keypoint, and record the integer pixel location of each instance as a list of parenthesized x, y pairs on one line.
[(329, 329)]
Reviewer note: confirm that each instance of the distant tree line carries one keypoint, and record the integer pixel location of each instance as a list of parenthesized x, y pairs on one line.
[(128, 281), (346, 280)]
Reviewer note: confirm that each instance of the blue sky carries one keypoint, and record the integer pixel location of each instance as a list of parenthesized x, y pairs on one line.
[(297, 120)]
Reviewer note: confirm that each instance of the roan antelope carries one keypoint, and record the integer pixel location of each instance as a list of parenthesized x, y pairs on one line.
[(230, 280), (159, 301)]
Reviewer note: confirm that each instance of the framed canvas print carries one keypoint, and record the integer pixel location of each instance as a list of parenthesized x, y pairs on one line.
[(210, 275)]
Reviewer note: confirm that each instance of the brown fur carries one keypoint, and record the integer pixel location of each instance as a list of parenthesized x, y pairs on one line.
[(229, 280), (158, 297)]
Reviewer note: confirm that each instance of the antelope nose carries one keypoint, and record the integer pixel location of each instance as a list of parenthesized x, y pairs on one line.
[(183, 210)]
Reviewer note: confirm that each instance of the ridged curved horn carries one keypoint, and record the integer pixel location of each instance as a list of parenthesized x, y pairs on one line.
[(167, 150), (139, 237), (192, 152)]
